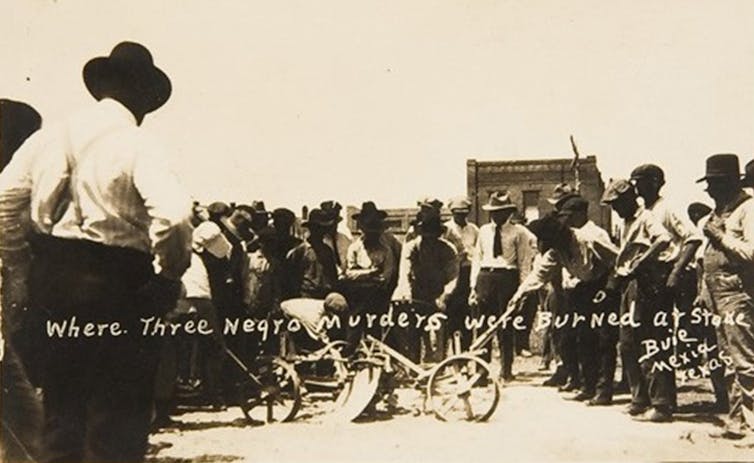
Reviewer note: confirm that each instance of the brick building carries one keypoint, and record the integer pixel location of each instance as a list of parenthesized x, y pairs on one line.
[(531, 182)]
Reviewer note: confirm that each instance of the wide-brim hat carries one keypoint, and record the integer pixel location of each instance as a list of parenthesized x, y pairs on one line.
[(130, 65), (320, 218), (18, 121), (721, 165), (499, 201), (332, 209), (369, 218)]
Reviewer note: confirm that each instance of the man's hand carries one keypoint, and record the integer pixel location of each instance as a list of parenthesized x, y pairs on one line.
[(442, 302), (714, 230), (473, 298), (673, 279)]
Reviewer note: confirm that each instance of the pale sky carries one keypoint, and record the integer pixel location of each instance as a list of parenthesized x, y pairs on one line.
[(298, 101)]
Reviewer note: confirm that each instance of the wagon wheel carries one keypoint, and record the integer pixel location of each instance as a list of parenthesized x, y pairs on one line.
[(462, 388), (277, 396)]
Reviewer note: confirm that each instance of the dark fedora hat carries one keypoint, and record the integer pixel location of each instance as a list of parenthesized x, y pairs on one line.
[(721, 165), (318, 217), (332, 209), (18, 121), (129, 66), (369, 217)]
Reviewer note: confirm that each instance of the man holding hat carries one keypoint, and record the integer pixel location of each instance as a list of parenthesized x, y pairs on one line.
[(502, 259), (642, 241), (112, 239), (458, 307), (371, 269), (729, 278)]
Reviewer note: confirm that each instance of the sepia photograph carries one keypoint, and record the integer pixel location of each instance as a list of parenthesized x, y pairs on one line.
[(376, 231)]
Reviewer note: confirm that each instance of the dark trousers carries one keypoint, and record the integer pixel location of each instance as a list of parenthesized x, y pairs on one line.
[(21, 412), (494, 289), (566, 338), (366, 302), (458, 310), (98, 391), (652, 381), (596, 343)]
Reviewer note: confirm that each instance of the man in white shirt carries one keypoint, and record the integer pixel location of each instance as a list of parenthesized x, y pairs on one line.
[(111, 238), (502, 259)]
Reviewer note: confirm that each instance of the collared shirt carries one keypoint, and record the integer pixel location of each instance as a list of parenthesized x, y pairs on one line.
[(519, 249), (379, 257), (638, 234), (679, 227), (590, 255), (469, 234), (99, 177), (428, 269)]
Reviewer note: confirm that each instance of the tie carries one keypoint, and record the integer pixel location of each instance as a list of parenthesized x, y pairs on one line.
[(497, 248)]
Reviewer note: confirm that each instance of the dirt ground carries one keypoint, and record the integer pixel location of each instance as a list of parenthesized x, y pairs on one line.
[(532, 423)]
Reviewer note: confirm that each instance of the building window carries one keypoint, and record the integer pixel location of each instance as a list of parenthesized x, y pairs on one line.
[(531, 205)]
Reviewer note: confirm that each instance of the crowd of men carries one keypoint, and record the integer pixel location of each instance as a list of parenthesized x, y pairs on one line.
[(93, 226)]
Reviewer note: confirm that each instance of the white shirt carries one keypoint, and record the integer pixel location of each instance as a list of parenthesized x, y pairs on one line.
[(469, 234), (679, 227), (519, 249), (98, 176), (196, 279)]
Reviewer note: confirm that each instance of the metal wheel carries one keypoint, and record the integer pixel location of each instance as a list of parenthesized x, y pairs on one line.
[(462, 388), (277, 395)]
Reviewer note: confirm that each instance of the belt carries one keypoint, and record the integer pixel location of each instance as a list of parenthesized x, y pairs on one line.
[(498, 269)]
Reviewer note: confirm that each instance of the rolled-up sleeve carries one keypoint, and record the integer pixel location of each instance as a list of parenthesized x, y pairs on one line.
[(742, 247), (169, 209), (15, 196)]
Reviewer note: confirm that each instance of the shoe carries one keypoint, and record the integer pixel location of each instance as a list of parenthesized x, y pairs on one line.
[(656, 415), (525, 353), (636, 409), (582, 396), (569, 386), (552, 381), (599, 402), (621, 388), (728, 432), (507, 378)]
